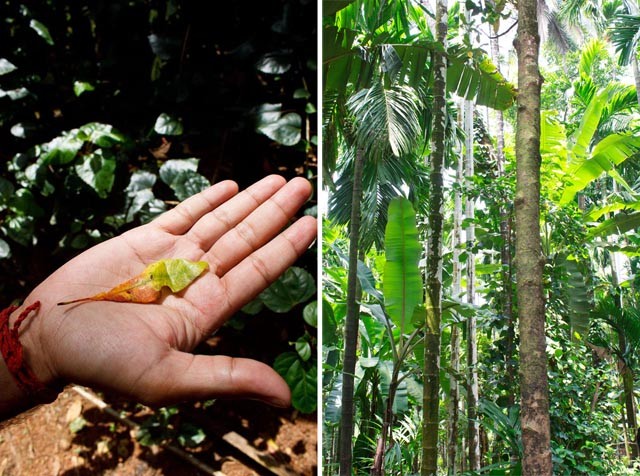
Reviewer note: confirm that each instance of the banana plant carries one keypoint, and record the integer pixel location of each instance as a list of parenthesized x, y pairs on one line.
[(403, 303)]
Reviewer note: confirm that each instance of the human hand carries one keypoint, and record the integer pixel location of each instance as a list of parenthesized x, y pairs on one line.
[(143, 350)]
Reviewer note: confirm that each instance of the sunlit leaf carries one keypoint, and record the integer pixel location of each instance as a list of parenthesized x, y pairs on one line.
[(167, 125), (42, 31)]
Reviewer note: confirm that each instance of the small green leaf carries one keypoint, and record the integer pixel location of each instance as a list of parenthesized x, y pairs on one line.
[(294, 287), (41, 30), (303, 348), (301, 93), (310, 313), (275, 62), (167, 125), (80, 87), (77, 424), (190, 436), (5, 249), (6, 66)]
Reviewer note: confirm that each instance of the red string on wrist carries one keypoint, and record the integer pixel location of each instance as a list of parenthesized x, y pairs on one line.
[(13, 353)]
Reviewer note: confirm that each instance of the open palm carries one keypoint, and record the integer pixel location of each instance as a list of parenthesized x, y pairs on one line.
[(143, 350)]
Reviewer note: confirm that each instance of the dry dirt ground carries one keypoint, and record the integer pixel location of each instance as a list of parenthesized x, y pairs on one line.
[(49, 442)]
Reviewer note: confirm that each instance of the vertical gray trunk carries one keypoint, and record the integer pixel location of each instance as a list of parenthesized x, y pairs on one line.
[(454, 394), (505, 234), (473, 429), (434, 255), (534, 387), (351, 325)]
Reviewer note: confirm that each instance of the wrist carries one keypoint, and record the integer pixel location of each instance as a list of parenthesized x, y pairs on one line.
[(25, 373)]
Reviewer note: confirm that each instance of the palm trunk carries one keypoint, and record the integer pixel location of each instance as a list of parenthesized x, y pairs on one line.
[(454, 394), (534, 387), (351, 325), (505, 234), (473, 429), (434, 255), (636, 75)]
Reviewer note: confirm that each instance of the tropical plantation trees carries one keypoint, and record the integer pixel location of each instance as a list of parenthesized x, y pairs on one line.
[(540, 261)]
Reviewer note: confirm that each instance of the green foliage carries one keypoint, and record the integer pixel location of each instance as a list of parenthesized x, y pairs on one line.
[(301, 375), (402, 282), (163, 426)]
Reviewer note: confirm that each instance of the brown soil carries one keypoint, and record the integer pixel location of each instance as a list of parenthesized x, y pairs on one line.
[(42, 442)]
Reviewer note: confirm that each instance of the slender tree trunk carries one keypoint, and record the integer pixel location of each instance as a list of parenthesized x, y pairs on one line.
[(434, 255), (534, 387), (636, 75), (473, 428), (386, 423), (454, 394), (505, 234), (351, 325), (625, 371)]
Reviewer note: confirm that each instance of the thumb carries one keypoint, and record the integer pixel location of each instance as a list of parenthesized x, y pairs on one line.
[(182, 376)]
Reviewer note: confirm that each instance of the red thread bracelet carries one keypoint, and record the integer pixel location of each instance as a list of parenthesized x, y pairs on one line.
[(13, 353)]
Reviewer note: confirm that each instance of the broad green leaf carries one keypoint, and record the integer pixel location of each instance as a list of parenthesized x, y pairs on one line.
[(24, 203), (6, 190), (62, 149), (301, 378), (588, 125), (284, 129), (15, 94), (295, 286), (167, 125), (41, 30), (181, 175), (102, 135), (329, 326), (609, 152), (21, 229), (402, 282), (98, 172), (596, 212), (618, 225)]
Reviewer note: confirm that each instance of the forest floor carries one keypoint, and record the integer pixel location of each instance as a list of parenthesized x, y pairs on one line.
[(74, 437), (48, 442)]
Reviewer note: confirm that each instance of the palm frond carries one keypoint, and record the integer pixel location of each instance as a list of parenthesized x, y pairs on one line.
[(386, 119), (625, 34)]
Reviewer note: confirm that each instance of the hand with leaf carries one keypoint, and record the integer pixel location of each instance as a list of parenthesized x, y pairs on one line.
[(144, 350)]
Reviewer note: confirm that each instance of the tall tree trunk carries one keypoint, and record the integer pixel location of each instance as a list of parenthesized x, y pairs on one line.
[(473, 429), (625, 371), (505, 235), (351, 325), (636, 75), (434, 254), (456, 290), (534, 387)]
